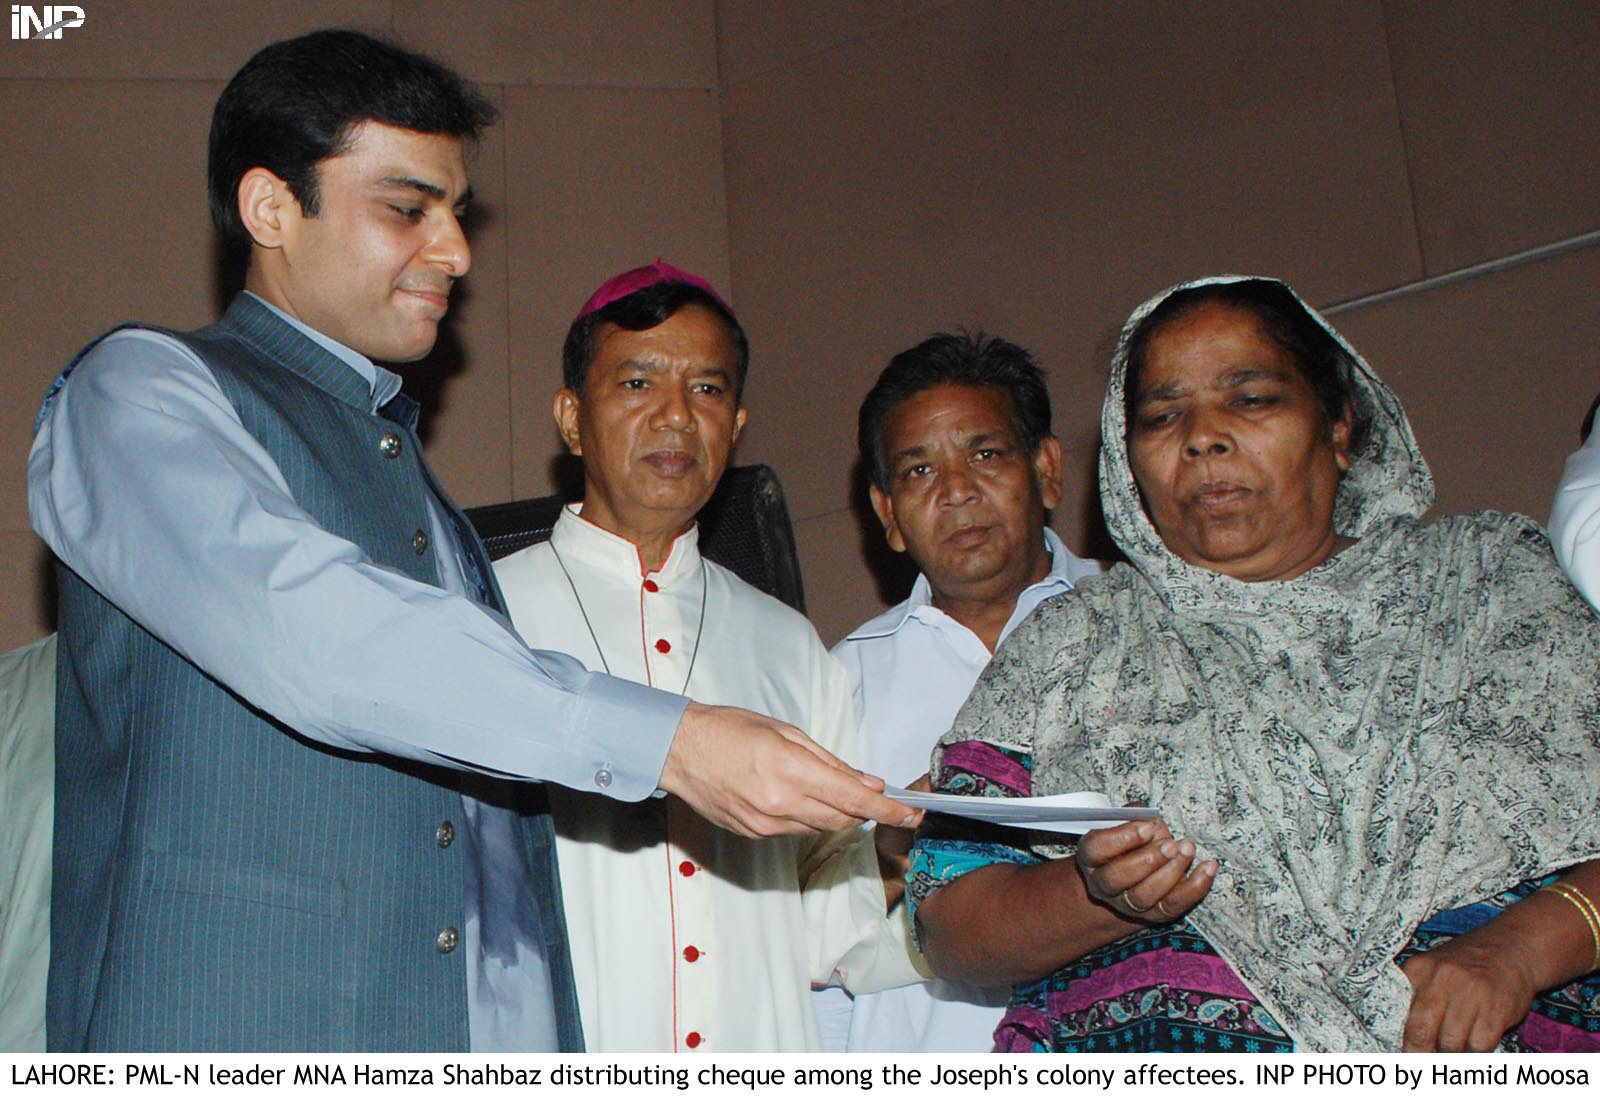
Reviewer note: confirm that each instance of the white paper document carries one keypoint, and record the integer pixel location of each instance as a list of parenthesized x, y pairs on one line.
[(1069, 813)]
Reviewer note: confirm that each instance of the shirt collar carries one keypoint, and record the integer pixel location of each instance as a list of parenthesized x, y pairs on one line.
[(575, 537), (384, 384), (920, 603)]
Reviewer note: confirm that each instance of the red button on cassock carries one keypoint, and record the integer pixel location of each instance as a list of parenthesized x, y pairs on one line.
[(662, 646), (691, 954), (650, 586), (686, 868), (693, 1039)]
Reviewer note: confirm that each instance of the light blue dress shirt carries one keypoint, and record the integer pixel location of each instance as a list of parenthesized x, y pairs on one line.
[(143, 480)]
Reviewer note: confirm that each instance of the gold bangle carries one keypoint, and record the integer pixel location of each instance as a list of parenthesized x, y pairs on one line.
[(1577, 896), (1586, 907)]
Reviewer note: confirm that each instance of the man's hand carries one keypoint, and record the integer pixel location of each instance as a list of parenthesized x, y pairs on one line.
[(1465, 994), (1141, 872), (757, 777)]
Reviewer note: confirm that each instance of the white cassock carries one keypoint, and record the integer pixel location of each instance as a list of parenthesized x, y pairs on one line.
[(685, 936)]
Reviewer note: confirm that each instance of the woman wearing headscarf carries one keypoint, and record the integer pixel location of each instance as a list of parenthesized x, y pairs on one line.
[(1373, 742)]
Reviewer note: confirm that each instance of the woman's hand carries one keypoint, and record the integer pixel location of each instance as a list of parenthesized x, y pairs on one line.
[(893, 846), (1141, 872), (1465, 994)]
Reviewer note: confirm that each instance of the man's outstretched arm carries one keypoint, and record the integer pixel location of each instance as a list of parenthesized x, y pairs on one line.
[(146, 484)]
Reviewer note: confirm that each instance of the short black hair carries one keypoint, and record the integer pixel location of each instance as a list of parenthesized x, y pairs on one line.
[(297, 102), (639, 312), (1588, 420), (1320, 358), (958, 358)]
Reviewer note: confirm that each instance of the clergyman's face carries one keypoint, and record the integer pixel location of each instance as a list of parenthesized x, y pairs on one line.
[(656, 423), (373, 268), (965, 500), (1228, 445)]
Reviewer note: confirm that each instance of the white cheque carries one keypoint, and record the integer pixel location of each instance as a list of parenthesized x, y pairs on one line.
[(1070, 813)]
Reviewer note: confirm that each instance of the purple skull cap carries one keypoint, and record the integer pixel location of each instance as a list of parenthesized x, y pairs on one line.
[(631, 282)]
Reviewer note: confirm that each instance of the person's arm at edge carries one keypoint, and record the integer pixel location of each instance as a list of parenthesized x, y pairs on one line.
[(1469, 991), (1575, 519)]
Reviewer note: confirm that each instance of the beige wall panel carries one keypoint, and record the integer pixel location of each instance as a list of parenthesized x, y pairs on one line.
[(1037, 170), (598, 180), (1501, 105), (464, 384), (756, 35), (1496, 374), (27, 609), (840, 592), (177, 39), (626, 43), (110, 225)]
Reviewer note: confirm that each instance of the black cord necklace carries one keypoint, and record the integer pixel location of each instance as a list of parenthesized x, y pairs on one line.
[(700, 629)]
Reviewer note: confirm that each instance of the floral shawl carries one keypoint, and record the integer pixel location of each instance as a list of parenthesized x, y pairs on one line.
[(1410, 726)]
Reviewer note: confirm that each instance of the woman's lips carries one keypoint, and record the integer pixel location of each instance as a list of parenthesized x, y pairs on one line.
[(1218, 494)]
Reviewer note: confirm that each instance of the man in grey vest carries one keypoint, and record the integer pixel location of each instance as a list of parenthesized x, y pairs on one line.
[(295, 735)]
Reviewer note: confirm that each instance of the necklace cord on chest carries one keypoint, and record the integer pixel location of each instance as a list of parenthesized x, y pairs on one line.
[(700, 628)]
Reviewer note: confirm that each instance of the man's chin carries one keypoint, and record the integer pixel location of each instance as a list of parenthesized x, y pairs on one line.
[(400, 353)]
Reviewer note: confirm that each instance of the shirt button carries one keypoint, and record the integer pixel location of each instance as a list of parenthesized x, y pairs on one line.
[(692, 1039), (662, 646), (691, 954), (602, 778), (445, 833), (448, 939), (419, 542), (390, 445), (686, 868), (651, 586)]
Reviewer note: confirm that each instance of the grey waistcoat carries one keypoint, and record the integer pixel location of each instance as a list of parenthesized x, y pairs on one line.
[(220, 882)]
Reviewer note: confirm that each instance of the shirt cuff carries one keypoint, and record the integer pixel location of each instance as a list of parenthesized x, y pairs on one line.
[(628, 728)]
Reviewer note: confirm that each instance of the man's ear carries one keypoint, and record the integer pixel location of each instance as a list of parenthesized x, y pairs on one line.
[(738, 424), (883, 507), (1047, 468), (565, 410), (267, 207)]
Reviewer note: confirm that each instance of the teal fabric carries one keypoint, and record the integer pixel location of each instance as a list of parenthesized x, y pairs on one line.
[(221, 883), (27, 783)]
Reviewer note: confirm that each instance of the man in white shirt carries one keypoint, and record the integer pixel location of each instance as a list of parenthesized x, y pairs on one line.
[(955, 438), (686, 937), (1575, 517)]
